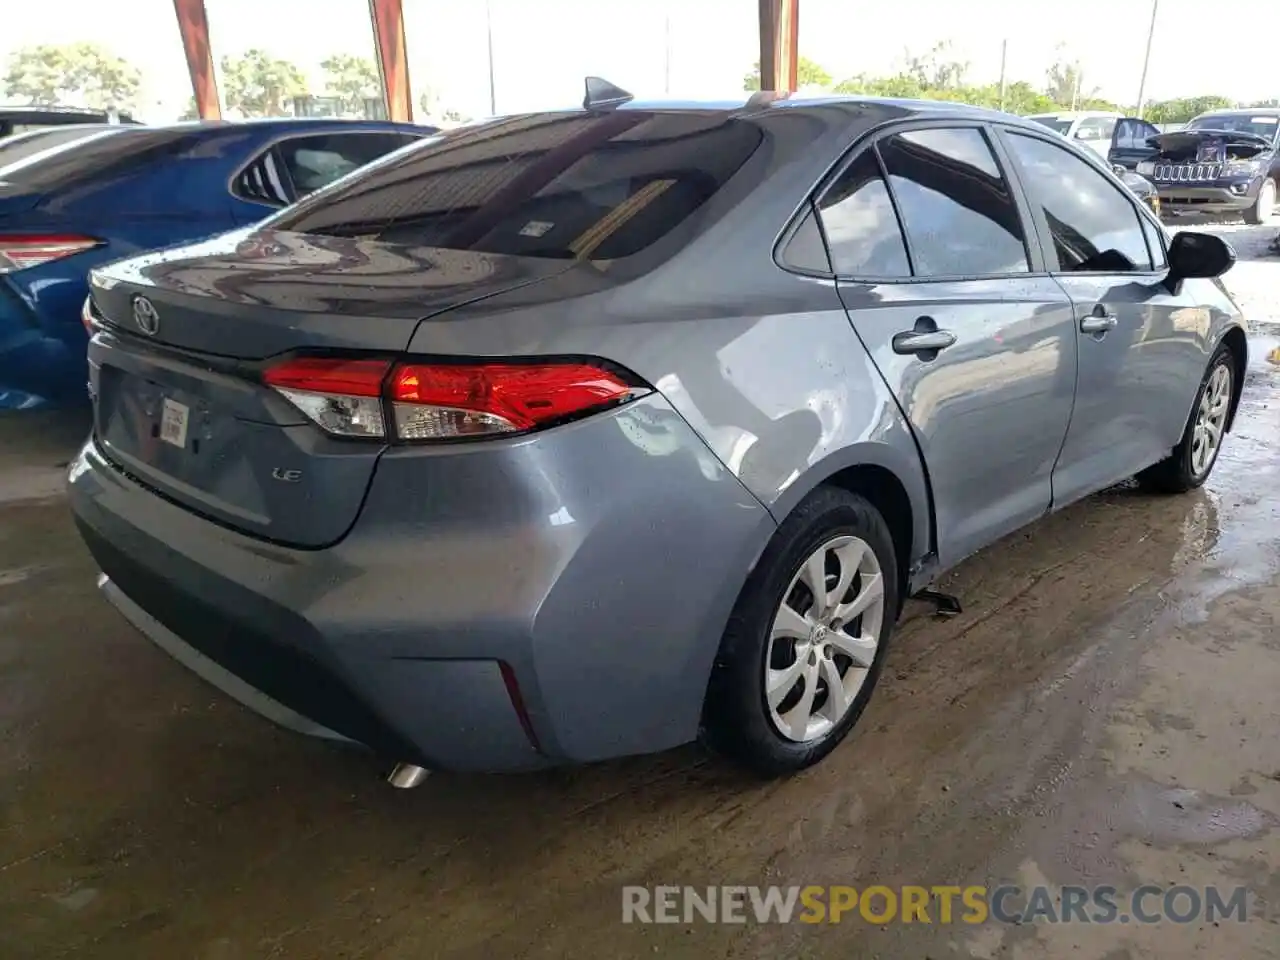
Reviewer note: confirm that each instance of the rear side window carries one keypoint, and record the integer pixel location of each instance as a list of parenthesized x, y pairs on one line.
[(1095, 227), (862, 230), (262, 181), (558, 186), (956, 206), (315, 162)]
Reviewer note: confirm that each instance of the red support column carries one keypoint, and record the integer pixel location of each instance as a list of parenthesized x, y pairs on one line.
[(193, 24), (393, 65), (779, 47)]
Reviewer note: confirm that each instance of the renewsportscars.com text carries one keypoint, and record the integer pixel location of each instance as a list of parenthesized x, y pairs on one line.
[(932, 905)]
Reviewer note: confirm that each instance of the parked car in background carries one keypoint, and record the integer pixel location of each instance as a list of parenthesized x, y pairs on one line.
[(1224, 162), (584, 433), (1090, 128), (22, 119), (78, 196)]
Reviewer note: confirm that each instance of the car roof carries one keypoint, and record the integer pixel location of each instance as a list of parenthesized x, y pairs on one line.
[(1242, 112), (290, 123), (758, 103)]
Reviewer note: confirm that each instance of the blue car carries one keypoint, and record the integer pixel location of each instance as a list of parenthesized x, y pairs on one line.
[(74, 197)]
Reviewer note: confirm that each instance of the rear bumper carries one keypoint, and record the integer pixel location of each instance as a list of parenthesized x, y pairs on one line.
[(557, 599)]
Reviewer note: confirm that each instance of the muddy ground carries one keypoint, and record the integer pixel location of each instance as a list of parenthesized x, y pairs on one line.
[(1104, 711)]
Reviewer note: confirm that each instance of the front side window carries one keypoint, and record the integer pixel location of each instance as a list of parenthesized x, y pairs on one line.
[(957, 209), (556, 185), (862, 230), (1095, 227)]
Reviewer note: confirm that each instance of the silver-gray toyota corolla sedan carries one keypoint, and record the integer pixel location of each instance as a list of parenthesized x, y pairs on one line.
[(581, 434)]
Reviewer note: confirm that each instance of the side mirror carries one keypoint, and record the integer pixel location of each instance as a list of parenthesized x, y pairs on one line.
[(1119, 169), (1193, 255)]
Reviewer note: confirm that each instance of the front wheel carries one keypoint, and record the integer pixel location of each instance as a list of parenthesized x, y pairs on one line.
[(807, 639), (1193, 458), (1264, 206)]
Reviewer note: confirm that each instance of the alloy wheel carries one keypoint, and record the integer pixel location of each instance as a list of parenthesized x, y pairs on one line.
[(1211, 420), (824, 638)]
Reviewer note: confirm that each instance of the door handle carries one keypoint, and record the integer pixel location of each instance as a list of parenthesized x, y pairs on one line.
[(1098, 323), (925, 340)]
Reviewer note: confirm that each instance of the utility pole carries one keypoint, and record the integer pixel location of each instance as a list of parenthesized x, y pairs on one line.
[(1004, 55), (1075, 88), (488, 27), (1146, 59)]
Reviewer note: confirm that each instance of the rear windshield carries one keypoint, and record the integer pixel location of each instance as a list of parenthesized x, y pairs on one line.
[(1055, 124), (1264, 127), (560, 186), (51, 158)]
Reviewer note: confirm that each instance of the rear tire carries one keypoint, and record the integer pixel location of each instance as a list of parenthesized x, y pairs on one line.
[(786, 687), (1192, 460), (1264, 206)]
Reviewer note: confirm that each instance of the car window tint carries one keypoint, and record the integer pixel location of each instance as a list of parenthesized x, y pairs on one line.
[(261, 182), (315, 162), (806, 250), (1095, 227), (862, 229), (555, 185), (1132, 134), (957, 209)]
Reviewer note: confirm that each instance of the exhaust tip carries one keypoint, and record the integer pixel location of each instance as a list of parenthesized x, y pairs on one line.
[(406, 776)]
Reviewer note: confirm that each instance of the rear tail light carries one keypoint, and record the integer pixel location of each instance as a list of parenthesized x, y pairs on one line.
[(438, 401), (18, 251)]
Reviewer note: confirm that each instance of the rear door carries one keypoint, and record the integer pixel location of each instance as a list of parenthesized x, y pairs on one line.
[(972, 337), (1141, 347), (291, 168), (1131, 142)]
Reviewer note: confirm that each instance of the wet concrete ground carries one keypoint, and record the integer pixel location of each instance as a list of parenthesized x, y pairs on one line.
[(1104, 711)]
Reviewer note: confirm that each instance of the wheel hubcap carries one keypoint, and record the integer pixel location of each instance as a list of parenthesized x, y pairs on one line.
[(824, 638), (1211, 420)]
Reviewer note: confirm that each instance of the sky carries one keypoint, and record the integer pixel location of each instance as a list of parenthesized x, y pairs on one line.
[(696, 48)]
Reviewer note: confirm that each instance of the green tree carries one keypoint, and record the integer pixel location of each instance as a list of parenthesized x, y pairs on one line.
[(192, 112), (808, 74), (85, 73), (1065, 85), (1184, 108), (259, 85), (353, 80)]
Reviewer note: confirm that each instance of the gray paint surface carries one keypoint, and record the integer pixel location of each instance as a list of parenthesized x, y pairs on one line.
[(600, 560)]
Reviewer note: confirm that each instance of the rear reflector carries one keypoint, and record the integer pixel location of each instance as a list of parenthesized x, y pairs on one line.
[(19, 251), (438, 401)]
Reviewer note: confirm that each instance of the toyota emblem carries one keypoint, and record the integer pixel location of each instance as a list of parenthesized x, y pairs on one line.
[(145, 316)]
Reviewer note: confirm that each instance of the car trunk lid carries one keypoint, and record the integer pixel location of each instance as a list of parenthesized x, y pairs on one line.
[(180, 401)]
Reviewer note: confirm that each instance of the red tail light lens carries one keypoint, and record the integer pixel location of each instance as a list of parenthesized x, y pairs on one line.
[(342, 396), (444, 401), (23, 250)]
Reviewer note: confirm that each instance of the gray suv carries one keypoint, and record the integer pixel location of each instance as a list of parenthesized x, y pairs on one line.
[(582, 434)]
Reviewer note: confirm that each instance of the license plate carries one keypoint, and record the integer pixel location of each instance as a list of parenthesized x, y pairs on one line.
[(173, 422)]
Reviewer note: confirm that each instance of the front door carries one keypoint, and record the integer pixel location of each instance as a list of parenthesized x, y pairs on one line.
[(977, 349), (1131, 142), (1141, 348)]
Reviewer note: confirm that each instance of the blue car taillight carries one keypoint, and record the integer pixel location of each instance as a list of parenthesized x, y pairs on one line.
[(20, 251)]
